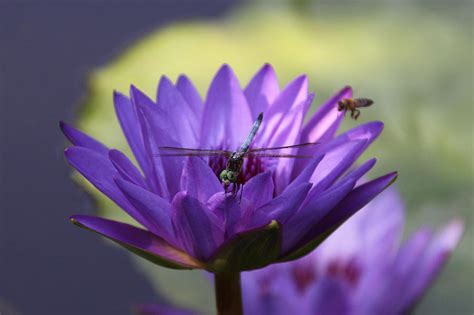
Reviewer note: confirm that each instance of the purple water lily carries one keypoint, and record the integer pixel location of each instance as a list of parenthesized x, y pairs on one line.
[(288, 206), (359, 270)]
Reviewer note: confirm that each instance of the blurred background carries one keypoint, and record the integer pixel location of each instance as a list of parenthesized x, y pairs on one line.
[(61, 60)]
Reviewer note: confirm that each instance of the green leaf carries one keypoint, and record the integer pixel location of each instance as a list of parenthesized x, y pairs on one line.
[(249, 250)]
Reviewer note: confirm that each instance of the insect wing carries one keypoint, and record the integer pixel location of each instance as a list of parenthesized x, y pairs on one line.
[(284, 149), (175, 151), (363, 102), (277, 155), (280, 152)]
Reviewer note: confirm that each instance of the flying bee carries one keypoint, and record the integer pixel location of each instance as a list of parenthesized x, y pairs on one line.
[(351, 104)]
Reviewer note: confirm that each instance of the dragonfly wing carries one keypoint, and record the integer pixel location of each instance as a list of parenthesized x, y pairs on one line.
[(175, 151), (277, 155), (283, 148)]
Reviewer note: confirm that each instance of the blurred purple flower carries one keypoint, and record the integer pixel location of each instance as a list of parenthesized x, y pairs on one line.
[(360, 269), (288, 207)]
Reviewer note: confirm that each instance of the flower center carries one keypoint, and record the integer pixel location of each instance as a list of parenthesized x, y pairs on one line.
[(303, 275), (348, 271)]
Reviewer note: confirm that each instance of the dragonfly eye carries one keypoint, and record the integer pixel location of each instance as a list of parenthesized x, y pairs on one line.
[(228, 177), (231, 176)]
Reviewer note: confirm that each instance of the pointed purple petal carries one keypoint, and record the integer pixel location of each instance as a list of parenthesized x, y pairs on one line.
[(192, 97), (353, 202), (195, 226), (81, 139), (126, 168), (429, 264), (313, 210), (100, 172), (305, 175), (155, 175), (366, 132), (325, 122), (372, 234), (225, 105), (262, 90), (198, 179), (256, 192), (361, 170), (295, 93), (140, 98), (127, 115), (335, 163), (282, 207), (182, 121), (137, 239), (155, 210), (166, 171), (227, 209), (190, 93), (288, 133)]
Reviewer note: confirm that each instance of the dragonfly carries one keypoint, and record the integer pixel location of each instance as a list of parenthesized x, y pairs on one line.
[(235, 159)]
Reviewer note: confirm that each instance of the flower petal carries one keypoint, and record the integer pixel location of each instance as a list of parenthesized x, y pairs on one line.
[(361, 170), (351, 203), (335, 162), (127, 115), (330, 296), (288, 133), (366, 132), (226, 112), (198, 179), (181, 118), (281, 207), (430, 262), (81, 139), (141, 242), (126, 168), (325, 122), (166, 170), (256, 192), (100, 172), (190, 94), (371, 235), (294, 94), (227, 209), (155, 210), (262, 90), (313, 210), (305, 175), (195, 226)]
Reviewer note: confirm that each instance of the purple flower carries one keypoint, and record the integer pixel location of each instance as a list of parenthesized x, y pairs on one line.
[(288, 206), (361, 269)]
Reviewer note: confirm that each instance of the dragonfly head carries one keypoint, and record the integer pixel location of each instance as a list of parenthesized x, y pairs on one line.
[(227, 177)]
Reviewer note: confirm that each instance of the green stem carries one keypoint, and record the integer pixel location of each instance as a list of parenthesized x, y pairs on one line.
[(228, 293)]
